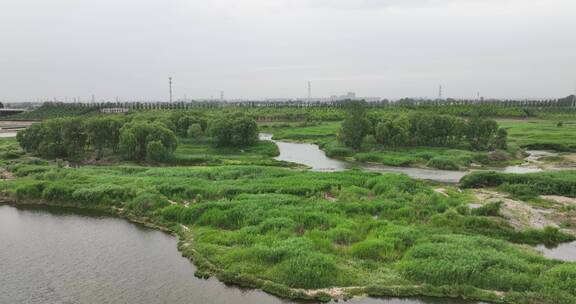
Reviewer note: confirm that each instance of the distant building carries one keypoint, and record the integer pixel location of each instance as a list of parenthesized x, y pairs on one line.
[(349, 95), (114, 110)]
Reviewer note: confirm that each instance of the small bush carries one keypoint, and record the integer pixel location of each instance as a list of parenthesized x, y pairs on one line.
[(374, 249), (490, 209), (520, 191), (498, 156), (308, 270), (442, 163), (147, 203)]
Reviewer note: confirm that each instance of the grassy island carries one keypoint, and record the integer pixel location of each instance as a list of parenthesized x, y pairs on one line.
[(253, 221)]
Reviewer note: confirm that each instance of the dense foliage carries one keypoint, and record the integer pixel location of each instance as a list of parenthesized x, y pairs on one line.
[(234, 131), (56, 110), (355, 126), (315, 230), (419, 129), (142, 139), (137, 137), (273, 228), (554, 183)]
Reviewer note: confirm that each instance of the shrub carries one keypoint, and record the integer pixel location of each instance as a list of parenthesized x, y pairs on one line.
[(235, 131), (156, 152), (476, 261), (146, 203), (308, 270), (520, 191), (489, 209), (276, 224), (374, 249), (194, 131), (498, 155), (442, 163)]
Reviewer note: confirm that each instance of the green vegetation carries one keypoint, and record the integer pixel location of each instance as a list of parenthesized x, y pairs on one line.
[(193, 152), (263, 225), (236, 131), (419, 129), (246, 220), (151, 138), (355, 126), (55, 110), (405, 138), (542, 134), (440, 158), (303, 131), (550, 183)]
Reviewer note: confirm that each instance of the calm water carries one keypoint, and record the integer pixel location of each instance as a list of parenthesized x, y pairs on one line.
[(8, 134), (312, 156), (56, 256), (563, 252)]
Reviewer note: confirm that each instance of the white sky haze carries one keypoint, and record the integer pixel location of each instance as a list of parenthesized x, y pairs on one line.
[(271, 48)]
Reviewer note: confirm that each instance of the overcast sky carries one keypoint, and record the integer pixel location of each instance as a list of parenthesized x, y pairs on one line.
[(271, 48)]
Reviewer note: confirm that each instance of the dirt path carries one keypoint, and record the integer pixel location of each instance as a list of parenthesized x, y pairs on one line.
[(522, 215), (518, 213)]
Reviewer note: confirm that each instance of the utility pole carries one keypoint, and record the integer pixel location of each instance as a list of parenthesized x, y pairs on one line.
[(170, 87), (574, 98), (309, 91)]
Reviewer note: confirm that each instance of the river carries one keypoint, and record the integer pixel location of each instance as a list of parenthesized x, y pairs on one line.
[(55, 255), (312, 156)]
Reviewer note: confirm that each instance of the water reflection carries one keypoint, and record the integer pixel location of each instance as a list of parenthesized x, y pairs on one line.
[(563, 252), (55, 255)]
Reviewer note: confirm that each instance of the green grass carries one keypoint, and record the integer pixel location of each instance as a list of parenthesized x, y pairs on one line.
[(9, 149), (440, 158), (306, 229), (325, 134), (55, 110), (298, 132), (525, 185), (542, 134), (260, 225), (190, 152)]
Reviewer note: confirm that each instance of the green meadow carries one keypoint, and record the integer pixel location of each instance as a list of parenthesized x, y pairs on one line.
[(284, 230), (253, 221), (542, 134)]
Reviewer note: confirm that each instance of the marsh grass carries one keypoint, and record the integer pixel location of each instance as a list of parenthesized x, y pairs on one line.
[(276, 225)]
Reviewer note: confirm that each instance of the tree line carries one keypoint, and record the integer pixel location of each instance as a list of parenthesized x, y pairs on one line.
[(419, 129), (151, 138), (565, 102)]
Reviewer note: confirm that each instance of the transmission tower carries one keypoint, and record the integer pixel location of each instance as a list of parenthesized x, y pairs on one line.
[(440, 92), (309, 91), (170, 87)]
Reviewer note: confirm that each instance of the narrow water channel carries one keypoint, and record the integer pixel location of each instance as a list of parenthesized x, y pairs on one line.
[(54, 256), (563, 252), (312, 156)]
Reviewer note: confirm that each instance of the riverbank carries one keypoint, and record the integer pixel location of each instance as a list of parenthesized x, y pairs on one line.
[(313, 157), (206, 269), (527, 134), (246, 224)]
